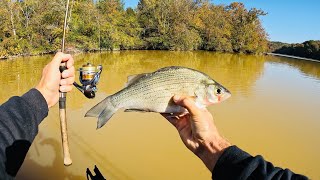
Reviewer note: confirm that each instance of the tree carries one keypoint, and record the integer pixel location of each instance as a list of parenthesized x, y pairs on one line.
[(308, 49), (35, 26), (84, 27), (167, 24), (215, 27), (247, 34)]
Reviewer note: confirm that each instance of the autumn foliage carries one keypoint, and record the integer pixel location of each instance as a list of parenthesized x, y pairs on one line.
[(35, 26)]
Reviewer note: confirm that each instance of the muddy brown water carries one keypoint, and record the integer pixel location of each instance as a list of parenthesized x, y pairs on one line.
[(273, 111)]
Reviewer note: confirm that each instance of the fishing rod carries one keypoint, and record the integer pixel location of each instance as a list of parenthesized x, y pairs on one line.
[(89, 78), (62, 102)]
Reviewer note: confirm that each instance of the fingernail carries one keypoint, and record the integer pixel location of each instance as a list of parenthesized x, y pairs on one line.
[(64, 82), (176, 98), (62, 88), (64, 74)]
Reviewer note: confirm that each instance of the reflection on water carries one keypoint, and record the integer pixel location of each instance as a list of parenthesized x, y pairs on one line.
[(311, 69), (48, 151), (273, 111)]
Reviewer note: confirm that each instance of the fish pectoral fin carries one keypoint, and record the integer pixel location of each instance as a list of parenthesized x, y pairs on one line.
[(136, 110), (134, 78), (197, 93), (200, 104), (199, 100)]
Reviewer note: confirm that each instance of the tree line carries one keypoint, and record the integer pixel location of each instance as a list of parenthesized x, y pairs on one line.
[(29, 27), (307, 49)]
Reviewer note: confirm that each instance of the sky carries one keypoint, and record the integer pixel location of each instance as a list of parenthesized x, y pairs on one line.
[(290, 21)]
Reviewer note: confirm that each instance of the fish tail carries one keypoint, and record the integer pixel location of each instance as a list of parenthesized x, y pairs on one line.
[(103, 110)]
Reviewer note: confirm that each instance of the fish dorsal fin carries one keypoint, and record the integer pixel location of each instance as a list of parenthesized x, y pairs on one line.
[(134, 78)]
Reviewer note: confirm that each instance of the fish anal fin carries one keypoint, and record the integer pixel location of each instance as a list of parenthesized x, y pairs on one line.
[(134, 78), (177, 114), (136, 110)]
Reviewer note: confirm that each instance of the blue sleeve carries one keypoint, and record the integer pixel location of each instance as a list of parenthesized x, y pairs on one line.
[(237, 164), (19, 120)]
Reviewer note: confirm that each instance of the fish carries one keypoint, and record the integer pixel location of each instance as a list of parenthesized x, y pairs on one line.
[(153, 92)]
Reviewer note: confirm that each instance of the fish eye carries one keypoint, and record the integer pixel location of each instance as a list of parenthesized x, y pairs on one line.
[(218, 91)]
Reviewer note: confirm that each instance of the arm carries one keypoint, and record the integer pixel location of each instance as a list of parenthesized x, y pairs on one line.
[(19, 121), (200, 135), (244, 166), (20, 116)]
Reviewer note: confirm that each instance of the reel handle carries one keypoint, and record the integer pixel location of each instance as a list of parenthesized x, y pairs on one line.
[(88, 92)]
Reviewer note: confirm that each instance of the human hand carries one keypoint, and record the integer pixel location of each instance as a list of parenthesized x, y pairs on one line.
[(51, 81), (198, 131)]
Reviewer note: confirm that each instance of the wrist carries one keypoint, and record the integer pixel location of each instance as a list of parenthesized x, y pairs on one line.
[(210, 151), (46, 96)]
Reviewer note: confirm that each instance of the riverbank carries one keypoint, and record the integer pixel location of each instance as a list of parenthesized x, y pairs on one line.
[(294, 57), (27, 55), (308, 49), (77, 51), (68, 50)]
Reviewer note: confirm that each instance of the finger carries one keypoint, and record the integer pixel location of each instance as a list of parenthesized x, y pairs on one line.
[(188, 103), (67, 81), (60, 57), (68, 72), (66, 88), (182, 124), (70, 62)]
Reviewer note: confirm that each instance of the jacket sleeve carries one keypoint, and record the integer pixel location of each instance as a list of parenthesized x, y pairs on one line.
[(237, 164), (19, 120)]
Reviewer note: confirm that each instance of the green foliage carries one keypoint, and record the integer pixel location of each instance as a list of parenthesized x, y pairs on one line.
[(35, 26), (308, 49), (215, 27), (167, 24), (247, 34)]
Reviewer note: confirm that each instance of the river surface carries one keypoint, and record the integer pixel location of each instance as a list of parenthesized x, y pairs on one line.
[(273, 112)]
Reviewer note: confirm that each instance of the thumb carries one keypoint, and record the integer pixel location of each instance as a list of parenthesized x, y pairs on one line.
[(188, 103)]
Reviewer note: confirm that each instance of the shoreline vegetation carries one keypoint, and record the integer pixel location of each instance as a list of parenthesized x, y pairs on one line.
[(34, 27), (308, 49), (292, 57)]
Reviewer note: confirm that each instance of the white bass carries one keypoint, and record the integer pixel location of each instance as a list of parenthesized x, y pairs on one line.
[(153, 92)]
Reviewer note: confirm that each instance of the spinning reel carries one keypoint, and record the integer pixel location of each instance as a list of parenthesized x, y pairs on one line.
[(89, 78)]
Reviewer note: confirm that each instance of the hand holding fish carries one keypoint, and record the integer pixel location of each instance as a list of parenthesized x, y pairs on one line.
[(152, 92), (51, 80), (198, 131)]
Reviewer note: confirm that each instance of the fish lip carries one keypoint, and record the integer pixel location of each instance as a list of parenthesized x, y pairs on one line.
[(225, 96), (227, 91)]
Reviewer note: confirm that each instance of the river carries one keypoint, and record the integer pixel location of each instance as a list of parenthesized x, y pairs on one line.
[(273, 111)]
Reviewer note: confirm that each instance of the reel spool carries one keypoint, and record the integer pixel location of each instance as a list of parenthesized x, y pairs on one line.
[(89, 78)]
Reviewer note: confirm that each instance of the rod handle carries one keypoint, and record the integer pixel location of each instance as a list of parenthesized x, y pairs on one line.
[(64, 135), (63, 123)]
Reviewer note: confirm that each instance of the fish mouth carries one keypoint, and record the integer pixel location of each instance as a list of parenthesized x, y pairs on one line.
[(227, 91), (225, 95)]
